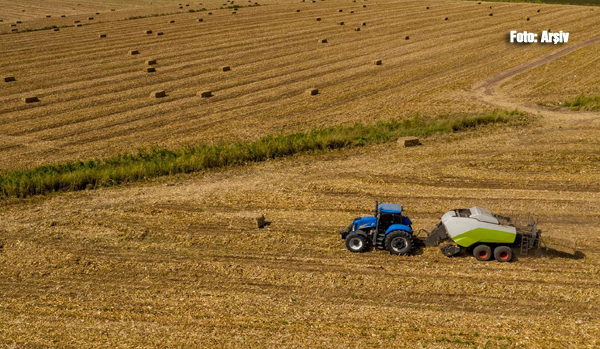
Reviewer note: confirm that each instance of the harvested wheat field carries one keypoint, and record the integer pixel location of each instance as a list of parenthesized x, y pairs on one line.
[(177, 260)]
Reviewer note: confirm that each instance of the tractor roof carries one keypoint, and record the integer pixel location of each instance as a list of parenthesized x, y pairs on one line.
[(390, 208)]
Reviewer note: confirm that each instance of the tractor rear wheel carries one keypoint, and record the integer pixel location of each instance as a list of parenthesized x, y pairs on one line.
[(356, 243), (399, 242), (482, 253), (503, 254)]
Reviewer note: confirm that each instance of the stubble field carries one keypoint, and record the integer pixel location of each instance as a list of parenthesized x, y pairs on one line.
[(177, 261)]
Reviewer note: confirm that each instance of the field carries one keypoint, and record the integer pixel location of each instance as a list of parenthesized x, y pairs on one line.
[(177, 261)]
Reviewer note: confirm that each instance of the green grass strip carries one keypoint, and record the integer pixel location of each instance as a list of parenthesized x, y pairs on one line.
[(156, 161), (583, 103)]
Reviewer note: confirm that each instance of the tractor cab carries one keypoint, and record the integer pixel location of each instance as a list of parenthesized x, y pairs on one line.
[(375, 230)]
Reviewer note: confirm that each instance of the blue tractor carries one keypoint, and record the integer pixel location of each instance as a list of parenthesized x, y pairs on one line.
[(387, 230)]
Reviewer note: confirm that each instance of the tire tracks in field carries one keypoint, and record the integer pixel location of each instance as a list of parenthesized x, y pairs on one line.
[(488, 92)]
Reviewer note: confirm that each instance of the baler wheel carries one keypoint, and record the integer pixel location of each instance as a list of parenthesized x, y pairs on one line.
[(503, 254), (482, 253)]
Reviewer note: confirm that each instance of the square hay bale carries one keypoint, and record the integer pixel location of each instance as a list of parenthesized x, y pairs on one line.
[(151, 62), (13, 25), (9, 79), (409, 142), (79, 25), (148, 32), (407, 37), (312, 91), (181, 7), (297, 10), (323, 41), (378, 62), (90, 18), (14, 30), (226, 68), (210, 13), (446, 19), (364, 6), (75, 22), (32, 99), (364, 24), (341, 23), (48, 16), (205, 94), (318, 19), (340, 10), (158, 94), (234, 13), (102, 35), (200, 20), (357, 29), (351, 11), (427, 8), (539, 11), (134, 52), (19, 22), (97, 13), (150, 70), (527, 19), (112, 10), (160, 34), (491, 14), (55, 29), (172, 21), (1, 20)]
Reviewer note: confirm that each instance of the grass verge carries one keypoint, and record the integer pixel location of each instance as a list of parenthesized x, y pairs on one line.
[(154, 162), (583, 103)]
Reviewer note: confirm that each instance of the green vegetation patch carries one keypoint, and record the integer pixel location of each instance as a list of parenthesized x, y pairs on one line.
[(591, 103), (156, 161)]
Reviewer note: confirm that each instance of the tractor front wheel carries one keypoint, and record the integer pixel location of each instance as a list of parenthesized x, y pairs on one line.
[(482, 253), (356, 243), (503, 254), (399, 242)]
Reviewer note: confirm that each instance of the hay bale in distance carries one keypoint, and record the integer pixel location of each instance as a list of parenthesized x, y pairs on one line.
[(427, 8), (341, 23), (312, 91), (297, 10), (364, 6), (75, 22), (210, 13), (323, 41), (19, 22), (148, 32), (407, 38), (158, 94), (172, 21), (340, 10), (446, 19), (351, 11), (491, 14), (90, 18), (9, 79), (539, 11), (151, 62), (48, 16), (357, 29), (364, 24), (226, 68), (150, 70), (32, 99), (205, 94), (200, 20), (527, 19), (55, 29), (409, 141), (318, 19), (378, 62), (160, 34), (134, 52), (79, 25), (102, 35), (14, 30)]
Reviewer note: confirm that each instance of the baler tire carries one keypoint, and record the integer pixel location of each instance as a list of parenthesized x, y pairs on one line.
[(356, 243), (482, 253), (503, 254), (399, 236)]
